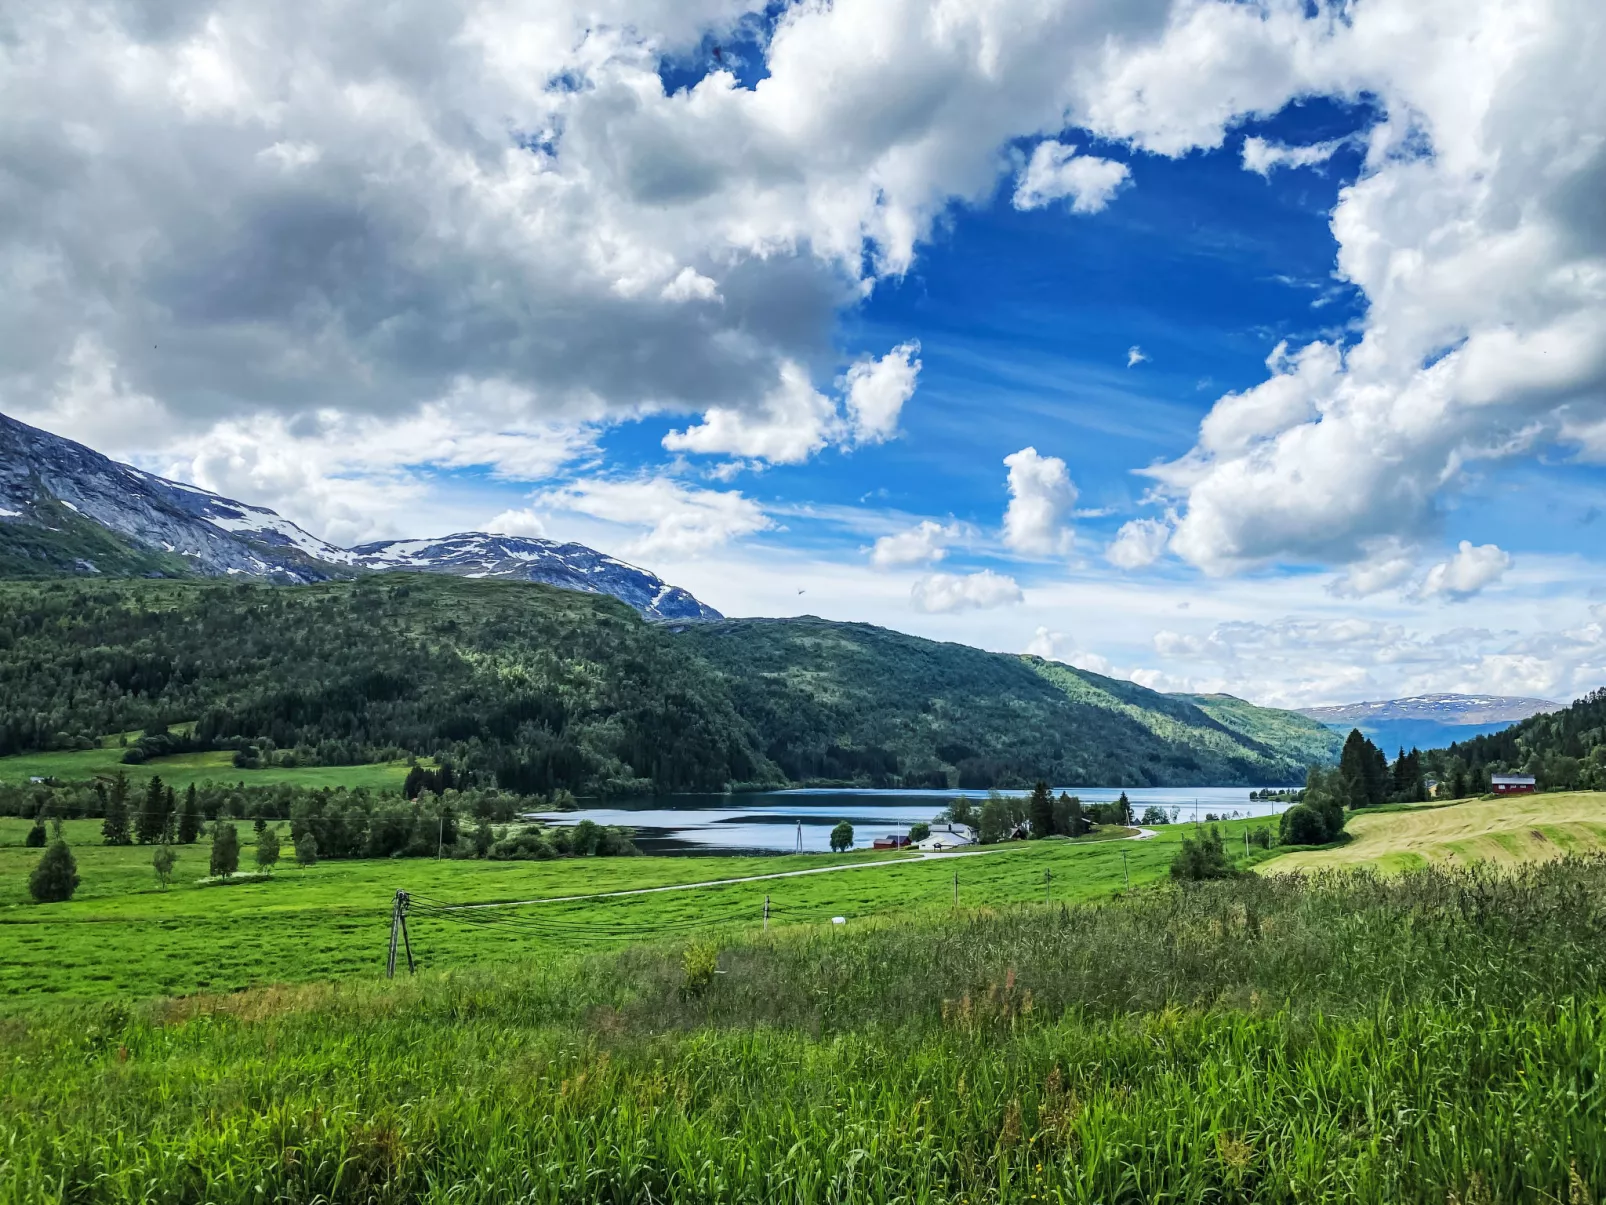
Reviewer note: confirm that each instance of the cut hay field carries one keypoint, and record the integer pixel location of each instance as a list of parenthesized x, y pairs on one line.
[(123, 936), (1523, 828)]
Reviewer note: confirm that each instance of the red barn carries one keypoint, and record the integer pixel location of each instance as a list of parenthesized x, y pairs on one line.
[(1512, 784)]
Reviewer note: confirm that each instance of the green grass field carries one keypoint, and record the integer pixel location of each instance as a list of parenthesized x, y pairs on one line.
[(1522, 828), (1430, 1038), (186, 768), (123, 936)]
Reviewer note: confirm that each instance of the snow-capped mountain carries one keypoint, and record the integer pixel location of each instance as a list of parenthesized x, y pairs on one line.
[(66, 509), (51, 487), (568, 566), (1429, 721)]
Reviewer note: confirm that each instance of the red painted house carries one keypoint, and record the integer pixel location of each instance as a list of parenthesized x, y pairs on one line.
[(1512, 784)]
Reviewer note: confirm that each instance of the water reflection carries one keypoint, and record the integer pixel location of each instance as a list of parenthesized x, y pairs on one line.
[(786, 821)]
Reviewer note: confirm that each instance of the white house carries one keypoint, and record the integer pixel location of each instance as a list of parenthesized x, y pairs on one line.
[(948, 836)]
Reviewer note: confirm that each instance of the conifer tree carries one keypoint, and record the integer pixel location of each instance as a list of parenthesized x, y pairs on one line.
[(37, 837), (225, 850), (114, 827), (189, 821), (148, 824), (1042, 811), (169, 816)]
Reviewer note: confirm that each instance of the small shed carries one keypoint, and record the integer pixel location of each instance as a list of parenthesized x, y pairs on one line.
[(892, 842), (1513, 784)]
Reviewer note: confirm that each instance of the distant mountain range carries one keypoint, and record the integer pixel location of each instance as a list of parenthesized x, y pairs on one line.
[(1429, 721), (66, 510)]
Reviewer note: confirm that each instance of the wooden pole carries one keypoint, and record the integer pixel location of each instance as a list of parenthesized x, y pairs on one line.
[(766, 914), (401, 908), (395, 927)]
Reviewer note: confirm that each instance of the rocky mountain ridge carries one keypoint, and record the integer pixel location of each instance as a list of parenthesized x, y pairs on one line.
[(67, 510)]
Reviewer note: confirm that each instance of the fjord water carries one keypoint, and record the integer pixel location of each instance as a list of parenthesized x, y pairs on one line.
[(776, 821)]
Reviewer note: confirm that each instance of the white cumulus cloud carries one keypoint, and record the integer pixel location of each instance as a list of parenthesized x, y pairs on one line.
[(925, 542), (1041, 496), (1056, 171), (947, 593), (1265, 157), (876, 391), (1140, 542), (681, 520), (1471, 569)]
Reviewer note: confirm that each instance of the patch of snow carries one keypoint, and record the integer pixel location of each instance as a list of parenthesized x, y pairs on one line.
[(71, 507), (9, 514)]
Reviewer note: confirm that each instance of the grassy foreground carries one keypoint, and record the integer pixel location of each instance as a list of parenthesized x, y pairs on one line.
[(1523, 828), (1434, 1037), (121, 936)]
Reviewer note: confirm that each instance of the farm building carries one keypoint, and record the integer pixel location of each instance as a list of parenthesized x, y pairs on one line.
[(890, 842), (1512, 784), (950, 837)]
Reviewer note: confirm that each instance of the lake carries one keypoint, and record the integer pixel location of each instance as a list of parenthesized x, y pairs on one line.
[(786, 821)]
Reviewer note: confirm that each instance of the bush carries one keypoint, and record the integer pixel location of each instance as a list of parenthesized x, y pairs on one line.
[(37, 837), (1203, 856), (1303, 825), (55, 877)]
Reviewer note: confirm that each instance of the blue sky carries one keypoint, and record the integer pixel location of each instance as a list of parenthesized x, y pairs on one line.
[(1286, 317)]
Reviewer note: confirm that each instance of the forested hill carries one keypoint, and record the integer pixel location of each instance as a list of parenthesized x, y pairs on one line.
[(536, 689), (848, 700), (1563, 749)]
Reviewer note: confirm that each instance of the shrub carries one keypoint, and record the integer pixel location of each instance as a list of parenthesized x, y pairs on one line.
[(1304, 825), (55, 877), (37, 836), (1203, 856)]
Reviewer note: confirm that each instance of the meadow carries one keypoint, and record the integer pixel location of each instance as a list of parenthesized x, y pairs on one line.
[(180, 770), (124, 936), (1438, 1036), (1521, 828)]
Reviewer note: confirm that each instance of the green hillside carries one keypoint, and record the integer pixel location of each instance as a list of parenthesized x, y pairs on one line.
[(845, 701), (1305, 740), (534, 689)]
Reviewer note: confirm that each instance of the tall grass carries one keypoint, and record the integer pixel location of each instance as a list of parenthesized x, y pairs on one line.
[(1437, 1037)]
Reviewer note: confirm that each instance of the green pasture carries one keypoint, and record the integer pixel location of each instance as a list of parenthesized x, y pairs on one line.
[(180, 770), (1430, 1038), (121, 935)]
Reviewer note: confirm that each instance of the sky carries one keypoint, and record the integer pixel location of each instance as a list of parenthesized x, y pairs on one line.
[(1255, 347)]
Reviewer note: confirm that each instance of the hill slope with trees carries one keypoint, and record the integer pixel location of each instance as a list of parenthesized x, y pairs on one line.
[(536, 690)]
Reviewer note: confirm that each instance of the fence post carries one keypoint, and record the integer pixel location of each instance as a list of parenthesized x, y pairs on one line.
[(766, 914)]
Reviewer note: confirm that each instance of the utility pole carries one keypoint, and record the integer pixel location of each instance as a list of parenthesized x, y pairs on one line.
[(1125, 871), (398, 927), (1048, 877), (766, 914), (956, 889), (440, 836)]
